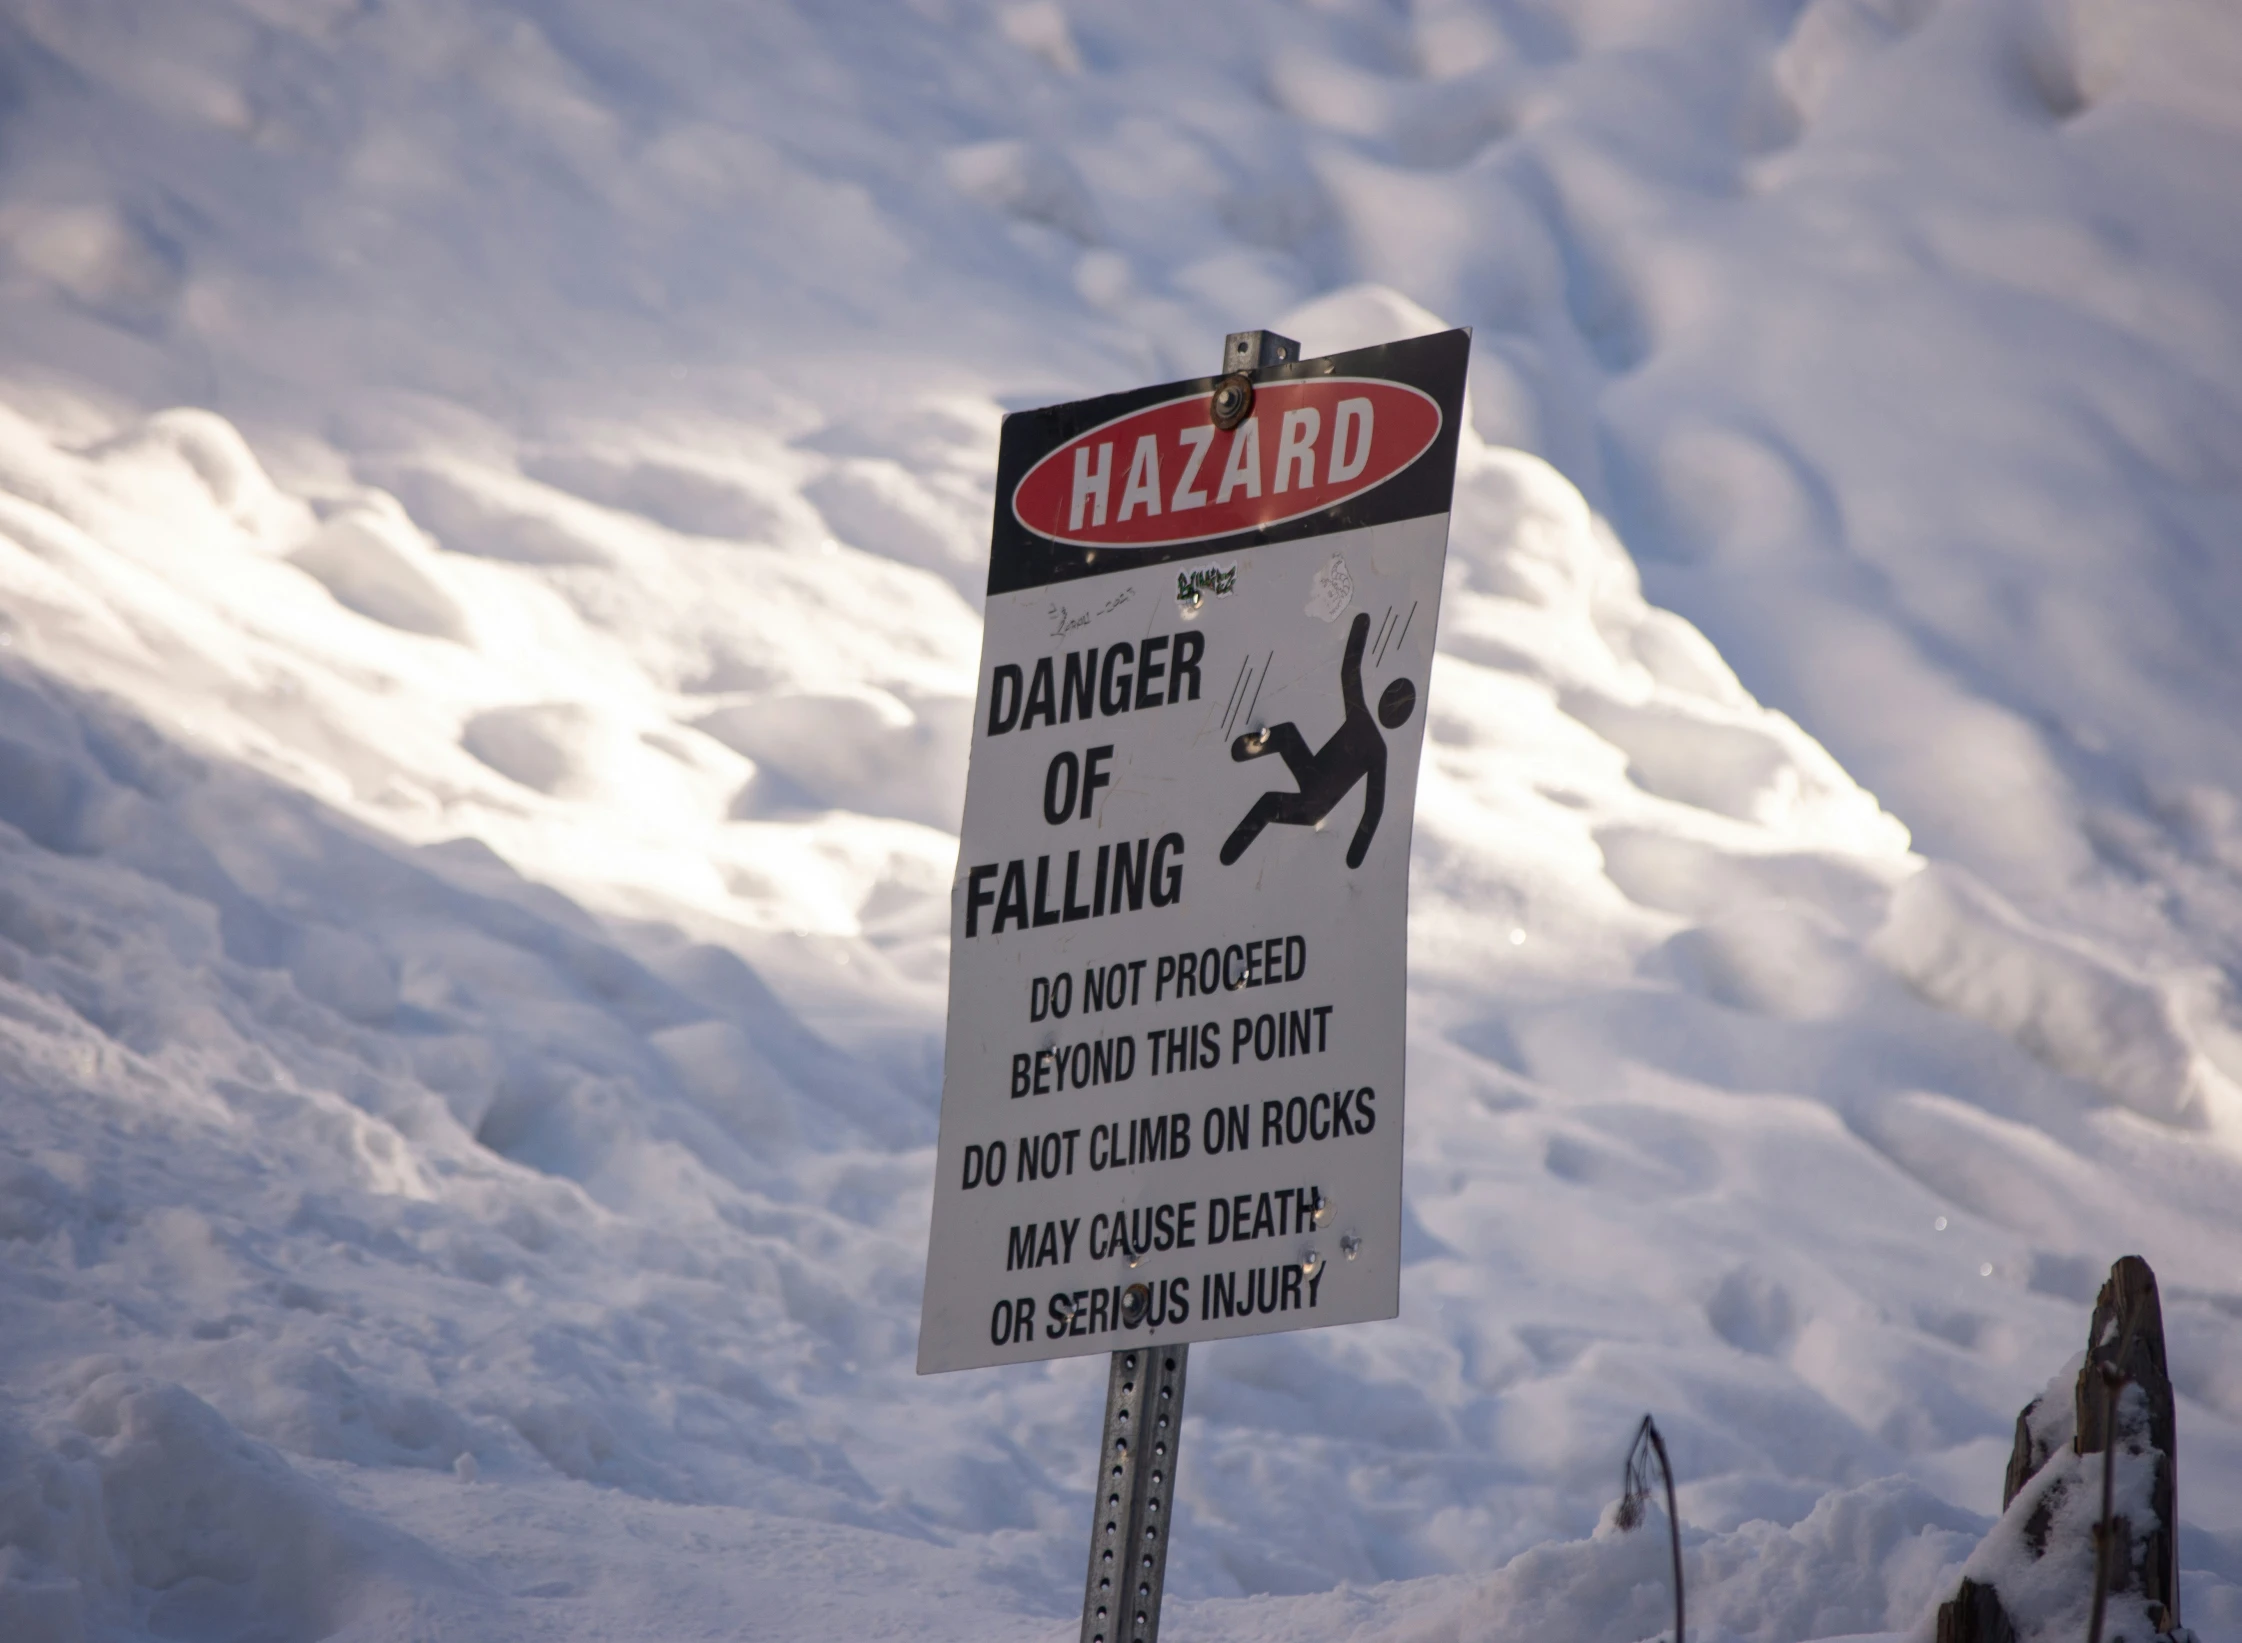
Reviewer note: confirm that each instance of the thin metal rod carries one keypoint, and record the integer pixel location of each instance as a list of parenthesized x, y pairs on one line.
[(1135, 1495), (1673, 1521), (1252, 350), (1634, 1500)]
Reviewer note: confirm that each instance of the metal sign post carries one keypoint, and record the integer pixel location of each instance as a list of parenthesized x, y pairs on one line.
[(1173, 1079), (1135, 1495), (1133, 1500)]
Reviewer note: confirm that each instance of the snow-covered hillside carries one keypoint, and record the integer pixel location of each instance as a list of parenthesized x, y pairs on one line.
[(492, 500)]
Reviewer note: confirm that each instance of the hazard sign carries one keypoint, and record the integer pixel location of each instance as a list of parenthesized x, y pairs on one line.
[(1173, 1090)]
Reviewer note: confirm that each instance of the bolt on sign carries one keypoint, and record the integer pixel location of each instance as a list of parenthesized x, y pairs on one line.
[(1173, 1092)]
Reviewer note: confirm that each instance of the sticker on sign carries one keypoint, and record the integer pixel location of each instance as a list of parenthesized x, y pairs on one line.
[(1174, 1081)]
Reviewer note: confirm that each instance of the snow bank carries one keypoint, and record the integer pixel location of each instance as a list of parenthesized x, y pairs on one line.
[(1863, 1561), (399, 1084), (2066, 1004), (490, 497), (147, 1511)]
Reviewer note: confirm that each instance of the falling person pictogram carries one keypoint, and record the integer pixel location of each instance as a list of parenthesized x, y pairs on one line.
[(1355, 753)]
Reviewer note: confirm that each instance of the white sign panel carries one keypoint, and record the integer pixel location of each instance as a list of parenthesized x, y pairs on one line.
[(1173, 1091)]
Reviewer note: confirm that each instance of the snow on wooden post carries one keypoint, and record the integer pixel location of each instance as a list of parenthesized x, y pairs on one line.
[(2090, 1502), (2125, 1348)]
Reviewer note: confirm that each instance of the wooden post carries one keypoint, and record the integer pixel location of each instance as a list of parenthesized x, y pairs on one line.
[(2124, 1348)]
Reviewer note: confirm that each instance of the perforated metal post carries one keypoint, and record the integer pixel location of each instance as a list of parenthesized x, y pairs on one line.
[(1251, 350), (1135, 1495)]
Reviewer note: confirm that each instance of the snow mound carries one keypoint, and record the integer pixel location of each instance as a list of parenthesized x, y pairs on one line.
[(491, 498), (2078, 1010), (146, 1509), (1658, 929), (1865, 1560)]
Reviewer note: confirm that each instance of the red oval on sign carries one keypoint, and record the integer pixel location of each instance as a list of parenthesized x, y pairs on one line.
[(1167, 475)]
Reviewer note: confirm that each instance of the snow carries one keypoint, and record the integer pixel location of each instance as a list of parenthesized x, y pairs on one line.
[(491, 506)]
